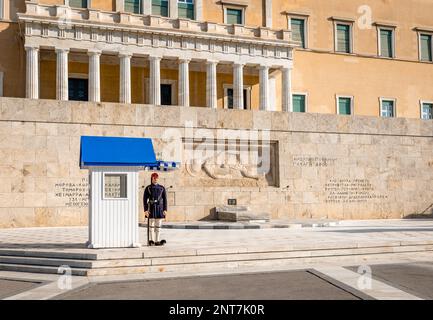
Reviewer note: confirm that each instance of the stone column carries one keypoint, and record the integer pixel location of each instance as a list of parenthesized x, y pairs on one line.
[(183, 96), (264, 87), (62, 92), (94, 76), (198, 10), (211, 84), (238, 86), (173, 11), (155, 81), (286, 89), (146, 7), (32, 72), (268, 12), (125, 77)]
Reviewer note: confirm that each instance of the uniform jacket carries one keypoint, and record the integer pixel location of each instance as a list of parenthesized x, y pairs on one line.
[(155, 192)]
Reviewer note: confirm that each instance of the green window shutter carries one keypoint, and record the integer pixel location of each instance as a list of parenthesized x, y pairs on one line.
[(160, 7), (426, 47), (186, 10), (387, 108), (78, 3), (234, 16), (427, 111), (386, 49), (344, 106), (298, 31), (298, 103), (343, 38), (133, 6)]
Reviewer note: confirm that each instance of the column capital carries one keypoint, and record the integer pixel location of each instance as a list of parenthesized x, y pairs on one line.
[(263, 67), (239, 64), (184, 60), (210, 61), (155, 58), (93, 52), (124, 54), (62, 50), (28, 47)]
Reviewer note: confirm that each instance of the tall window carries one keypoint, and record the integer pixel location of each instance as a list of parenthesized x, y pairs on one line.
[(78, 89), (160, 7), (115, 186), (387, 108), (386, 43), (426, 47), (343, 41), (133, 6), (298, 30), (234, 16), (229, 97), (344, 105), (78, 3), (186, 9), (299, 103), (427, 111)]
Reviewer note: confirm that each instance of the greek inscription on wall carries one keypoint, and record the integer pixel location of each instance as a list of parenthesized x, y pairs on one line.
[(351, 191), (304, 161), (75, 194)]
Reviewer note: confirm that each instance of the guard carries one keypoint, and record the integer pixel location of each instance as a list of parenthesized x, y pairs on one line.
[(155, 209)]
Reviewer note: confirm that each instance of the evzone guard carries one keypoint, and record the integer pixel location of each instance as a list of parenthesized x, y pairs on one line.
[(155, 209)]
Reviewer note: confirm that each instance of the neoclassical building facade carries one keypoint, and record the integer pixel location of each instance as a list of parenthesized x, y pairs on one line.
[(342, 57)]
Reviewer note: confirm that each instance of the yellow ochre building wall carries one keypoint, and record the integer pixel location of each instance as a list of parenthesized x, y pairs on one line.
[(318, 70)]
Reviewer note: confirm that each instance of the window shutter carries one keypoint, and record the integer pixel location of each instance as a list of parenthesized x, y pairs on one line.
[(298, 103), (186, 10), (427, 111), (343, 38), (426, 47), (298, 31), (344, 106), (78, 3), (133, 6), (386, 43), (160, 8)]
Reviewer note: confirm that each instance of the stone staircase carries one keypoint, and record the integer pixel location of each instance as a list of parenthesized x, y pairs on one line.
[(165, 259)]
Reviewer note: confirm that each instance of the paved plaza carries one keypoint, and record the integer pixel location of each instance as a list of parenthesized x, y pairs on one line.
[(391, 273)]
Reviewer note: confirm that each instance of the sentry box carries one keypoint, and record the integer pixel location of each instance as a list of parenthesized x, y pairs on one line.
[(114, 164)]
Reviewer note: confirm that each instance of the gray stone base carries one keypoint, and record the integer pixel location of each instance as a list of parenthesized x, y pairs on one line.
[(240, 214)]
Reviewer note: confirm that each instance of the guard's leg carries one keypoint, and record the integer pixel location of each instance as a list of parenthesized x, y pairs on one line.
[(152, 231), (157, 229)]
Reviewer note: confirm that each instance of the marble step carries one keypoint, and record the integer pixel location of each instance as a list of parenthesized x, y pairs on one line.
[(39, 269)]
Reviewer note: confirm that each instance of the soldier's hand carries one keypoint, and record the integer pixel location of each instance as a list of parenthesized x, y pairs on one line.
[(146, 214), (165, 213)]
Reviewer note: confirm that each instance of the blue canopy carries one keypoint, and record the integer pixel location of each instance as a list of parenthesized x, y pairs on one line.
[(117, 151)]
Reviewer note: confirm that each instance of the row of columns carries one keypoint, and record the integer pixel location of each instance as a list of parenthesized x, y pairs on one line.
[(32, 80)]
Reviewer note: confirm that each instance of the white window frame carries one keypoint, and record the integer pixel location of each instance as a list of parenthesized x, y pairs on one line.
[(299, 17), (305, 94), (230, 86), (421, 104), (1, 83), (103, 185), (381, 99), (352, 104), (379, 44), (234, 7), (351, 40), (430, 33)]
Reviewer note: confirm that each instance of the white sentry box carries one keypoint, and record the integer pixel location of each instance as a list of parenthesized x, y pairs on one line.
[(113, 207)]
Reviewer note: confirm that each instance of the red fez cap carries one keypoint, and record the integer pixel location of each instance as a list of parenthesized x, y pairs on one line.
[(154, 175)]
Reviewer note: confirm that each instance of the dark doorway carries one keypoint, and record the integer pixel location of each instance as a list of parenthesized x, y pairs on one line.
[(230, 98), (166, 98), (78, 89)]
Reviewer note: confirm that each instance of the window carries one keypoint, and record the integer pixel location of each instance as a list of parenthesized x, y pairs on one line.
[(78, 89), (344, 105), (115, 186), (160, 7), (229, 97), (78, 3), (425, 47), (427, 110), (343, 41), (133, 6), (387, 108), (186, 9), (166, 98), (299, 103), (386, 43), (298, 30), (234, 16)]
